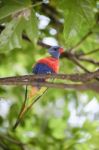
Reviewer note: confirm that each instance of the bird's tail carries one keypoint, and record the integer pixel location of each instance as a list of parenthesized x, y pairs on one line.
[(34, 95), (33, 91)]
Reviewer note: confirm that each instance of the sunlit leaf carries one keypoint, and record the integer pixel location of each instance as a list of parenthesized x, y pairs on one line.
[(9, 7), (11, 37)]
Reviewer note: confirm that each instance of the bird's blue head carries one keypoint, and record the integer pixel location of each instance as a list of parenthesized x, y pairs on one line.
[(55, 51)]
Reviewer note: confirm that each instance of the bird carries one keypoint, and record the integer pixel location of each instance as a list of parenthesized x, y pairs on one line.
[(45, 65)]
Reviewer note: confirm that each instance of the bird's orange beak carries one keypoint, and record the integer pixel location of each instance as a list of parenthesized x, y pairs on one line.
[(61, 50)]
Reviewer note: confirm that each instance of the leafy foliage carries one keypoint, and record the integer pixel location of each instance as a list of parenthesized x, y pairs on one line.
[(62, 119), (11, 37)]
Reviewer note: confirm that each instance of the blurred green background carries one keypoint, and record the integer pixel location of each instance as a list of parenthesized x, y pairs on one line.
[(61, 119)]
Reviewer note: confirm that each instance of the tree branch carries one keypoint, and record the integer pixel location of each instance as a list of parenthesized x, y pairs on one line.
[(52, 13), (73, 77), (77, 57), (73, 57), (30, 80), (81, 87), (43, 44)]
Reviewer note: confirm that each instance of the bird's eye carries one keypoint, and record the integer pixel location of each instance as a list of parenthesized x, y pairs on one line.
[(55, 49)]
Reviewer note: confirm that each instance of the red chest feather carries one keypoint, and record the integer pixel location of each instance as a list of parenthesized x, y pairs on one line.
[(53, 63)]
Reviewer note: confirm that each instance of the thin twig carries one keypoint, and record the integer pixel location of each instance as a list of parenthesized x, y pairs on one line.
[(80, 65), (22, 108), (89, 60), (11, 140), (19, 119), (81, 41), (89, 53), (3, 146)]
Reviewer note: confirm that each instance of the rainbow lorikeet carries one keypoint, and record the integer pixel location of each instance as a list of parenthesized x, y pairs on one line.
[(43, 66)]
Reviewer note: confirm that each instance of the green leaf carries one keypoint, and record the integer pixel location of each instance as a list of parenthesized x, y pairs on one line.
[(12, 6), (96, 28), (11, 37), (76, 14), (69, 26), (58, 126), (31, 27)]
